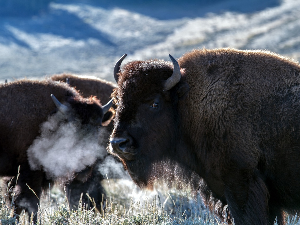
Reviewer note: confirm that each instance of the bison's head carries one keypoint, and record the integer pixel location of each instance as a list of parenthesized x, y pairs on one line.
[(146, 122), (86, 110)]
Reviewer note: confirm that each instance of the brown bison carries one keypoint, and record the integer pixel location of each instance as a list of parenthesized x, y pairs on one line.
[(231, 116), (26, 113), (89, 179)]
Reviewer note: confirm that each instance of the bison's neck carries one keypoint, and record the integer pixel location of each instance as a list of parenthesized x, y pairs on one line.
[(202, 134), (186, 155)]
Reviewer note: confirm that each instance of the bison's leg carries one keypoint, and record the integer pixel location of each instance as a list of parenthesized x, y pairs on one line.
[(247, 200), (27, 190), (89, 185)]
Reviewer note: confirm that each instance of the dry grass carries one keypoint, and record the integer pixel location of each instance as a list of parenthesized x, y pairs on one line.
[(126, 204)]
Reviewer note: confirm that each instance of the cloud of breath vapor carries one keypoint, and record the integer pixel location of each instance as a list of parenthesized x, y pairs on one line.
[(64, 148)]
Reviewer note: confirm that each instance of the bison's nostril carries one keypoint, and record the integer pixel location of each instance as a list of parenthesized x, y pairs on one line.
[(124, 144), (117, 141), (120, 144)]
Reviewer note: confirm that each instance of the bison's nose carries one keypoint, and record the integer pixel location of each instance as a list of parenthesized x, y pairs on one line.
[(119, 143), (122, 145)]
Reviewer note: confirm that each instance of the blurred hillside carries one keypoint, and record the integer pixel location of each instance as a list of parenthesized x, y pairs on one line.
[(39, 38), (195, 8)]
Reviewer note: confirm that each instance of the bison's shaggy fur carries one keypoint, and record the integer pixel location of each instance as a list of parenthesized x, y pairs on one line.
[(233, 118), (25, 105)]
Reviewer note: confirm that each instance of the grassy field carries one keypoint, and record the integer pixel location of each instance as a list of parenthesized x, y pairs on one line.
[(126, 204)]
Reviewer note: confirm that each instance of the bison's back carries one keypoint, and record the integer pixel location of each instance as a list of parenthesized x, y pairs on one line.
[(237, 84), (88, 86), (227, 76)]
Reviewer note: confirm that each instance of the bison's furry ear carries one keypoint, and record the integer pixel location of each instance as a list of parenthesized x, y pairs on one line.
[(183, 89), (108, 116)]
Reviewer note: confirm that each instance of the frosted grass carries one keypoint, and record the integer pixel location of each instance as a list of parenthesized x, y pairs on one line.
[(126, 204)]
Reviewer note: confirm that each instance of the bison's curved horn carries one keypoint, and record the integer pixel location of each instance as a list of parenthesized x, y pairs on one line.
[(106, 107), (61, 107), (117, 67), (176, 76)]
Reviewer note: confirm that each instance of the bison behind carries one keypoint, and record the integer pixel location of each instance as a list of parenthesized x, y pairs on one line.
[(87, 86)]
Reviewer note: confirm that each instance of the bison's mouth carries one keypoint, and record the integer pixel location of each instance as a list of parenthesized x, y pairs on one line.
[(128, 156), (137, 164)]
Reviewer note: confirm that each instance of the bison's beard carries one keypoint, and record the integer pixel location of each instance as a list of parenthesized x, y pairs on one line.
[(146, 173), (140, 171)]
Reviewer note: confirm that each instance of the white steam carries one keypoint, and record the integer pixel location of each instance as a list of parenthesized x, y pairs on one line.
[(111, 168), (63, 148)]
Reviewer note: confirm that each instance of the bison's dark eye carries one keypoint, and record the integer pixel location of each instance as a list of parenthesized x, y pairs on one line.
[(154, 105)]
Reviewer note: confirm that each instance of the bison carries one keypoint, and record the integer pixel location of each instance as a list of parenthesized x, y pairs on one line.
[(26, 106), (231, 116), (89, 179)]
